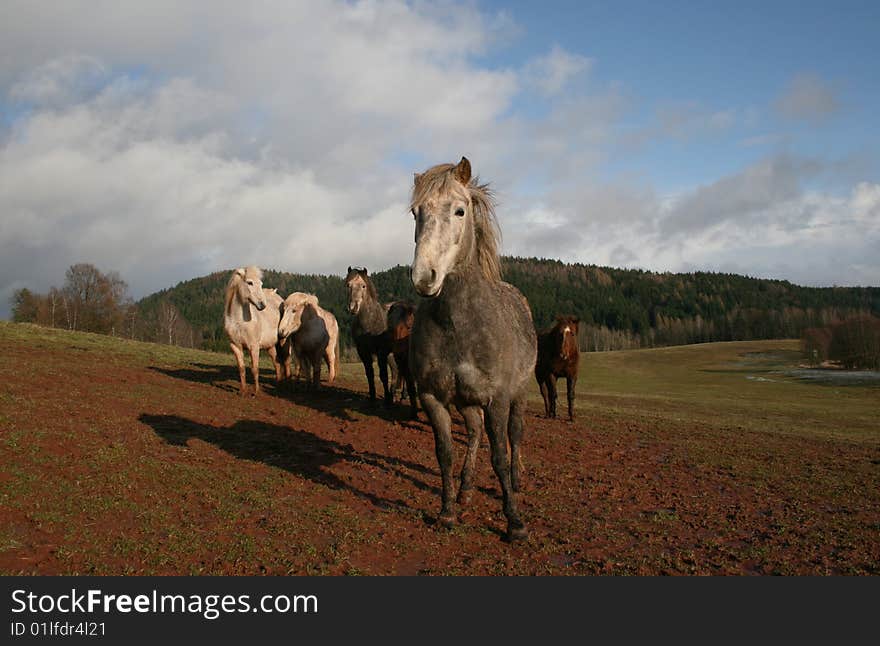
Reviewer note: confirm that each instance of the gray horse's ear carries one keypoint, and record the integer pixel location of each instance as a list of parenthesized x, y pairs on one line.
[(239, 272), (416, 178), (349, 269), (463, 171)]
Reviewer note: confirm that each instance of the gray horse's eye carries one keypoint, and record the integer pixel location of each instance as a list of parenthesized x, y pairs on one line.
[(251, 283), (459, 212)]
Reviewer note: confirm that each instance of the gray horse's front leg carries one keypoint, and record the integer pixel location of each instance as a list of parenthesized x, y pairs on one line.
[(473, 419), (514, 436), (441, 422), (497, 416)]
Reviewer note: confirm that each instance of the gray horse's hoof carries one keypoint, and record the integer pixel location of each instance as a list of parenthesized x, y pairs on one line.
[(465, 496), (447, 520), (517, 533)]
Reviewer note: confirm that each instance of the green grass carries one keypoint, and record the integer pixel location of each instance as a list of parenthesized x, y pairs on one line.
[(739, 385)]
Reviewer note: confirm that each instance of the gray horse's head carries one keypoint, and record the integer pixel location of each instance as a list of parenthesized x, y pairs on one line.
[(444, 223)]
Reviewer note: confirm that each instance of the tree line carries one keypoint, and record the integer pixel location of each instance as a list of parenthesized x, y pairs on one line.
[(618, 308), (90, 300), (853, 343)]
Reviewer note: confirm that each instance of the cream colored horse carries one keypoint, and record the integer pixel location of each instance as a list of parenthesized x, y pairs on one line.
[(251, 318), (313, 334)]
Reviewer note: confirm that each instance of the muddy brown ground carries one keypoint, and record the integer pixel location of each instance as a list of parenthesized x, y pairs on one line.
[(118, 464)]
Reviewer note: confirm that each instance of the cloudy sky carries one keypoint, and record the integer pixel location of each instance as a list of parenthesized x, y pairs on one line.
[(166, 140)]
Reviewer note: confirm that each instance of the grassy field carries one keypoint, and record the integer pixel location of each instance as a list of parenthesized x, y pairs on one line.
[(750, 385), (121, 457)]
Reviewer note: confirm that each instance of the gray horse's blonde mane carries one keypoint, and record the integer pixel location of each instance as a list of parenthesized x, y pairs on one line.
[(441, 179), (238, 275)]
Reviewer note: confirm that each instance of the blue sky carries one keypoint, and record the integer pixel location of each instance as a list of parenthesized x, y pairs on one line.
[(717, 57), (664, 136)]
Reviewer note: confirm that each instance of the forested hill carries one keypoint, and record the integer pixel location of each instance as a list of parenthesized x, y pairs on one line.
[(619, 308)]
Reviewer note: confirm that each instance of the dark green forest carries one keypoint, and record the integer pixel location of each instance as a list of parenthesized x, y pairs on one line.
[(618, 308)]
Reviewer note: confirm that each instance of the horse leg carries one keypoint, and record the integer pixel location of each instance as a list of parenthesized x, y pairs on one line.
[(331, 364), (411, 391), (255, 367), (545, 393), (383, 376), (571, 381), (316, 372), (497, 416), (473, 420), (367, 360), (551, 389), (273, 354), (514, 439), (239, 359), (441, 422)]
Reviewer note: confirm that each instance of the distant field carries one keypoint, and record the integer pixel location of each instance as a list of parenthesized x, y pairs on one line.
[(118, 457)]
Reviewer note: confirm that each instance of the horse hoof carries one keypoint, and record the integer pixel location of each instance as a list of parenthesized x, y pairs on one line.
[(465, 496), (517, 533), (447, 520)]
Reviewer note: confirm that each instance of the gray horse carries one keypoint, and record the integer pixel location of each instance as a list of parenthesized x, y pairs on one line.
[(473, 342)]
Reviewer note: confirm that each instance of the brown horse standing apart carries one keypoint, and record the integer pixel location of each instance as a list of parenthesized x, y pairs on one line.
[(473, 343), (558, 356), (401, 316)]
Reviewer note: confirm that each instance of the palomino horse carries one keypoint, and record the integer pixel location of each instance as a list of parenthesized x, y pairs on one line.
[(401, 316), (312, 334), (369, 328), (558, 356), (251, 317), (473, 343)]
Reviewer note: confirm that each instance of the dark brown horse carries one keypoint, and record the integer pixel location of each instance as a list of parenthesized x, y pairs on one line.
[(473, 342), (401, 316), (369, 328), (558, 356)]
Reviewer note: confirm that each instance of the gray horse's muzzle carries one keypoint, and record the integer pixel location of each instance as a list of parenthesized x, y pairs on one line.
[(425, 281)]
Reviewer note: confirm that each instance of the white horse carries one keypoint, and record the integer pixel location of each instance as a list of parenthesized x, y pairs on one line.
[(313, 334), (251, 318)]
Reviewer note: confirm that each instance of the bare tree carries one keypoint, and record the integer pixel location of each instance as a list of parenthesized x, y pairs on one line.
[(168, 317)]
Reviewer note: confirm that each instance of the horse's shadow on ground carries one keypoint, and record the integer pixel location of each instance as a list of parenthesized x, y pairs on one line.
[(296, 451), (216, 375), (349, 405), (340, 403)]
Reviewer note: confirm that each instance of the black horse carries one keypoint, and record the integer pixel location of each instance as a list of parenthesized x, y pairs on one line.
[(369, 328)]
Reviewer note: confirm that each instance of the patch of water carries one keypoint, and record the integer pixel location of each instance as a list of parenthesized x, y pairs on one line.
[(837, 377)]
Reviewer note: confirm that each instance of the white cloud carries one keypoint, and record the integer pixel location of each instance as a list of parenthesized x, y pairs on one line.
[(550, 74), (807, 97), (166, 141)]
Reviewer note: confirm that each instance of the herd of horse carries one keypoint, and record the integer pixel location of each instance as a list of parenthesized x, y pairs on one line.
[(471, 343)]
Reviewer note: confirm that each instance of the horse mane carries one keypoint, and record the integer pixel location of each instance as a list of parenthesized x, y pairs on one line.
[(441, 179), (300, 298), (239, 274), (362, 272)]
